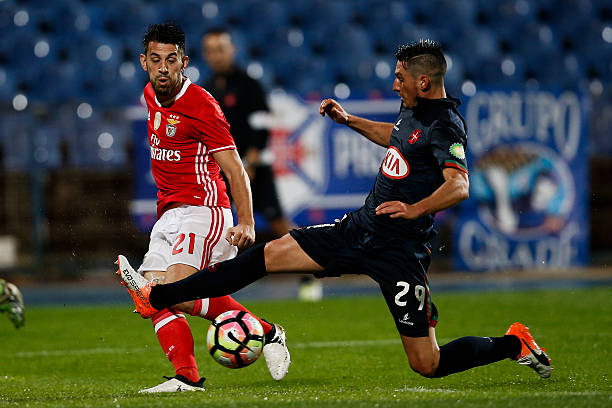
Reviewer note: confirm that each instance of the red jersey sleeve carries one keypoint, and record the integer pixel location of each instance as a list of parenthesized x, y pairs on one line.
[(212, 128)]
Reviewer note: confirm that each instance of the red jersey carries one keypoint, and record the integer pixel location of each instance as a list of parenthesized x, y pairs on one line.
[(183, 137)]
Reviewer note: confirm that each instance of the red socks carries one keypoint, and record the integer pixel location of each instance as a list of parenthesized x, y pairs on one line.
[(213, 307), (176, 340)]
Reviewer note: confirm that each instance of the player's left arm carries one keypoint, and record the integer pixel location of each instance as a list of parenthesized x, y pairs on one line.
[(243, 233), (454, 190)]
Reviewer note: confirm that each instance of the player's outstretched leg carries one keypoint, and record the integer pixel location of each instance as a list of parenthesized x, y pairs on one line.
[(11, 302), (214, 281), (137, 286), (276, 352), (531, 354)]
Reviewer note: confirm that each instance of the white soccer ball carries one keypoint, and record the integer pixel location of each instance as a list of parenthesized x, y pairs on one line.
[(235, 339)]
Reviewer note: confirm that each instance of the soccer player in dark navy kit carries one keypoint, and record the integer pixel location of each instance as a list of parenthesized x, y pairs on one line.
[(423, 172)]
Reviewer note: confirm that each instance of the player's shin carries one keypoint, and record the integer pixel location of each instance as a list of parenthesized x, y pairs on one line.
[(176, 340), (217, 280), (469, 352)]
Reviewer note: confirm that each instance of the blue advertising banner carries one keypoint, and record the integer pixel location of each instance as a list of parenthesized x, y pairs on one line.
[(323, 169), (528, 161)]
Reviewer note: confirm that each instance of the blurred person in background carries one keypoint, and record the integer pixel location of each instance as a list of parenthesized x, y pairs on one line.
[(241, 96), (190, 143), (11, 303), (423, 172)]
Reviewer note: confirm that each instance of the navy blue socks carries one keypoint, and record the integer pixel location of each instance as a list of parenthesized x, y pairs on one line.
[(216, 280), (469, 352)]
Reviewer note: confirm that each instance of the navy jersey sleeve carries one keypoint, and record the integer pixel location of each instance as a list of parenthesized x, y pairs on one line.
[(448, 144)]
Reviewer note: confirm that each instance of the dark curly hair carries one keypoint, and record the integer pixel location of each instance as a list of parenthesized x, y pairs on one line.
[(166, 33), (423, 57)]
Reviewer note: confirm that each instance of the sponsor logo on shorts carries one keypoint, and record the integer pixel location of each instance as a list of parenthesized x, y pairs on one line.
[(406, 320)]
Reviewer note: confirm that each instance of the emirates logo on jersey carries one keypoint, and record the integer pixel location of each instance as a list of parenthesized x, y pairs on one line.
[(394, 165)]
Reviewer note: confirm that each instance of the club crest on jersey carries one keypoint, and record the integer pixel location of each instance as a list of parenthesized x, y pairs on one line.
[(414, 136), (394, 164), (457, 150), (170, 130), (173, 119), (157, 120)]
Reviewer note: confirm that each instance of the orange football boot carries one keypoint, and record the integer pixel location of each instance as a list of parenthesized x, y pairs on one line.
[(531, 354), (137, 286)]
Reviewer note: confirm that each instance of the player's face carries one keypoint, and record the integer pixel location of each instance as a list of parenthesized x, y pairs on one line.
[(405, 86), (218, 51), (165, 65)]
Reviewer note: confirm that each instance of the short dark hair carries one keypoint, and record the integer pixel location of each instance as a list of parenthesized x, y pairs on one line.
[(218, 30), (165, 33), (423, 57)]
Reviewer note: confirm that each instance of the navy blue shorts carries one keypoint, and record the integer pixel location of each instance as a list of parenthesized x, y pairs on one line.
[(398, 266)]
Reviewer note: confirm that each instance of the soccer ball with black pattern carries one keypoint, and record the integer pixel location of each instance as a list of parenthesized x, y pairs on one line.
[(235, 339)]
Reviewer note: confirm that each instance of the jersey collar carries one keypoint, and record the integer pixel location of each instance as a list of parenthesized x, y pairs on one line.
[(178, 95), (449, 100)]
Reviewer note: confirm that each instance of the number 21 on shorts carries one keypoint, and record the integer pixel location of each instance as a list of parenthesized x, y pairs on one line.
[(178, 247), (419, 294)]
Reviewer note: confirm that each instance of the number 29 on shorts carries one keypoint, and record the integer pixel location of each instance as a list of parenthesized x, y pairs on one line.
[(419, 294)]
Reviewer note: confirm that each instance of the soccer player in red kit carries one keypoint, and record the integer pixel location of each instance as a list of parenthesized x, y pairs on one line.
[(190, 143)]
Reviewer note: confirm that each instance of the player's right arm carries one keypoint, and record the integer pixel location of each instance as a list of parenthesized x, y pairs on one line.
[(377, 132)]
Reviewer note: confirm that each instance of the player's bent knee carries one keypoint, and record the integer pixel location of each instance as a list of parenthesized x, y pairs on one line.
[(425, 371), (425, 367)]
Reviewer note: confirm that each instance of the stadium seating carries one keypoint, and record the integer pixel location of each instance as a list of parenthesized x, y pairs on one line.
[(75, 51)]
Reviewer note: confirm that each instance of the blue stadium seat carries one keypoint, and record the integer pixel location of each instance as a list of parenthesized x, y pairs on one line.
[(261, 13), (8, 87)]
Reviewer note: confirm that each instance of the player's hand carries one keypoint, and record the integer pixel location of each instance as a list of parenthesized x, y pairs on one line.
[(334, 110), (397, 209), (241, 235)]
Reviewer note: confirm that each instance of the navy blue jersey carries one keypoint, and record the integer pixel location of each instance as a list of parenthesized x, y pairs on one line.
[(425, 140)]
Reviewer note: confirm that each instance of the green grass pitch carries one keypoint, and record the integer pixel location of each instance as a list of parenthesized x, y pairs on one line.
[(345, 352)]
